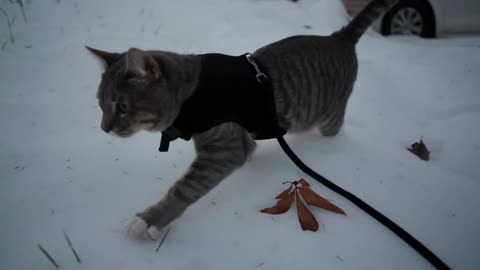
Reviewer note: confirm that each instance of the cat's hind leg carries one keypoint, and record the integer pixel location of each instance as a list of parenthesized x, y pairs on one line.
[(331, 124)]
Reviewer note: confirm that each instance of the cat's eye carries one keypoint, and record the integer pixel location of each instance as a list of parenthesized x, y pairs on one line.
[(122, 107)]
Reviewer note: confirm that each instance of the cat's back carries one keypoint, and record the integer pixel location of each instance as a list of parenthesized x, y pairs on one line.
[(307, 46), (309, 73), (308, 57)]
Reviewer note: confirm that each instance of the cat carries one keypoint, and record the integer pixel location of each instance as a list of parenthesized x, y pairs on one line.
[(312, 78)]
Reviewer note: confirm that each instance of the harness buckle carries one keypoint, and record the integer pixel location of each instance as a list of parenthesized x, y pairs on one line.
[(260, 76)]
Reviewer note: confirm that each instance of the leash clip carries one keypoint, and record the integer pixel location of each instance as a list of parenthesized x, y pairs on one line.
[(260, 76), (168, 135)]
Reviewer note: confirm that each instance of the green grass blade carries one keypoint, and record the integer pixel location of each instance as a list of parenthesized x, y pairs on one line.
[(71, 247), (48, 256), (163, 240)]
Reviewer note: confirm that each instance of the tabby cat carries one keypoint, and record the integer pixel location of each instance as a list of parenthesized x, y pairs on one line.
[(312, 78)]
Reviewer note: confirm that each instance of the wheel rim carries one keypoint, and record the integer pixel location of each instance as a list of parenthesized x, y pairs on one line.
[(407, 21)]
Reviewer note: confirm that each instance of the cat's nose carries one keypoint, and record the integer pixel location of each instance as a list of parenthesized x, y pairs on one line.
[(106, 125), (107, 122), (106, 129)]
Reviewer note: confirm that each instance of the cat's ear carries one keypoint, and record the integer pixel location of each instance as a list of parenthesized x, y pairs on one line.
[(142, 64), (107, 58)]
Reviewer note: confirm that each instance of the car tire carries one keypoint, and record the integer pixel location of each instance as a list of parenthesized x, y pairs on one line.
[(410, 17)]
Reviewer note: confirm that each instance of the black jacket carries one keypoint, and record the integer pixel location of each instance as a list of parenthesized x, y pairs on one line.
[(228, 91)]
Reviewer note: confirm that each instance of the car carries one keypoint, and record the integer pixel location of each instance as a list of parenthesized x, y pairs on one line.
[(425, 18)]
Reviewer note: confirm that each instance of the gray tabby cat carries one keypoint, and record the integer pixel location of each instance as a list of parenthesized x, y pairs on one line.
[(312, 78)]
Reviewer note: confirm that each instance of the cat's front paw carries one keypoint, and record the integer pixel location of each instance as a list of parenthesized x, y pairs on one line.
[(140, 230)]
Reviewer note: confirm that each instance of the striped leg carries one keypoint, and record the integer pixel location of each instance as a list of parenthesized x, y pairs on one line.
[(220, 151)]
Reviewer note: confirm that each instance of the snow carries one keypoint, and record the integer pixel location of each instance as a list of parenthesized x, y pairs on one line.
[(58, 171)]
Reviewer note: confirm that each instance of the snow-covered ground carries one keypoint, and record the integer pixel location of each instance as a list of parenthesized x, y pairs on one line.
[(58, 171)]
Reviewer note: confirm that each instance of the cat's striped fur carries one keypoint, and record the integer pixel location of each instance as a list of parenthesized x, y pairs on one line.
[(312, 78)]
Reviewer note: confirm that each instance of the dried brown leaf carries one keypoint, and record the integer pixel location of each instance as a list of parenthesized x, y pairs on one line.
[(420, 149), (306, 218), (284, 193), (282, 205), (303, 182), (312, 198)]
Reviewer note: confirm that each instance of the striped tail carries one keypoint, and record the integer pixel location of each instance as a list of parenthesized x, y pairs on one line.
[(355, 29)]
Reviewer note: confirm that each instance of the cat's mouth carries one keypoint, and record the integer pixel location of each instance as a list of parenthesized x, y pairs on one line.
[(125, 133)]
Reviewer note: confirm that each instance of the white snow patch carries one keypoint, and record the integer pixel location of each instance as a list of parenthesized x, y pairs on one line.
[(59, 171)]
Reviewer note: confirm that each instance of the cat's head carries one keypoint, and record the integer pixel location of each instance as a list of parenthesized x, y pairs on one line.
[(134, 93)]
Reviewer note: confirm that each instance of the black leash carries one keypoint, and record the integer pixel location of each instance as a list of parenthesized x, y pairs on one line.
[(173, 133), (412, 241)]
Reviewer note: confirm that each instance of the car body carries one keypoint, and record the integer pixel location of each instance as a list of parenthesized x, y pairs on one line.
[(439, 16), (456, 16)]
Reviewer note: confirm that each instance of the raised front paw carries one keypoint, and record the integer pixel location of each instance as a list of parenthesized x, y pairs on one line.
[(140, 230)]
